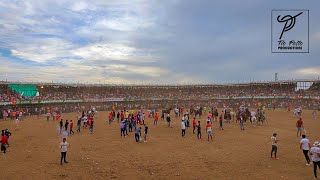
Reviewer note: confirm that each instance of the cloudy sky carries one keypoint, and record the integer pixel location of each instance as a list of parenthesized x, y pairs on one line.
[(135, 41)]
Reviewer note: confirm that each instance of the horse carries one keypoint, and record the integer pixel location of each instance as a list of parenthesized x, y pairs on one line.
[(238, 116), (215, 114), (247, 115), (254, 121), (297, 112), (233, 115), (199, 112), (192, 111), (167, 111), (227, 114), (176, 112), (196, 112), (261, 118)]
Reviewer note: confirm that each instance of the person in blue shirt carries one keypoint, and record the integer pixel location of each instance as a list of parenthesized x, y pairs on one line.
[(138, 117), (125, 126), (91, 127), (134, 124), (79, 124), (138, 134), (130, 125), (122, 131)]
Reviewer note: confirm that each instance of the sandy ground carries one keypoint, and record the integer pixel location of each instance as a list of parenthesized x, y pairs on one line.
[(233, 154)]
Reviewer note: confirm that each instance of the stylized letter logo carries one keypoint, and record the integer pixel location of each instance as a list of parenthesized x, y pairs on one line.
[(281, 43), (286, 19)]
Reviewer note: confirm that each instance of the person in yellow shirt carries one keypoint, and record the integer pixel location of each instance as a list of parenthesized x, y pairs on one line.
[(126, 115), (259, 104), (263, 109)]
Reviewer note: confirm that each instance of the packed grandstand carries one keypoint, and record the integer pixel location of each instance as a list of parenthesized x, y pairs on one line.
[(69, 97)]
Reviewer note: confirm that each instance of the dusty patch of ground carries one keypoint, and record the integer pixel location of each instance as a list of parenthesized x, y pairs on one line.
[(233, 154)]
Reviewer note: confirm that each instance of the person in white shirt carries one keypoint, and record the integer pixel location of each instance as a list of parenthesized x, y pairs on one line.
[(315, 155), (17, 121), (63, 148), (253, 118), (5, 114), (274, 145), (20, 116), (183, 128), (305, 146), (176, 112), (253, 113), (85, 121), (48, 116), (54, 115)]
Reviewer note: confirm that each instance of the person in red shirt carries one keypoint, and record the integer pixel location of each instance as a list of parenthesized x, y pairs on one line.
[(110, 117), (122, 116), (13, 114), (194, 124), (88, 123), (156, 117), (71, 126), (4, 143), (299, 125), (209, 130), (135, 118)]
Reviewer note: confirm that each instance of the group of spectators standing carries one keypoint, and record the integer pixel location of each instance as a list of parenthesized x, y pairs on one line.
[(65, 92)]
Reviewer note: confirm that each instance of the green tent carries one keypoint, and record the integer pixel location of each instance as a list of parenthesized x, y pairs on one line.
[(25, 90)]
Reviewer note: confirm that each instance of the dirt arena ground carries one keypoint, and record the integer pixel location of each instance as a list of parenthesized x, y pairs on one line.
[(233, 154)]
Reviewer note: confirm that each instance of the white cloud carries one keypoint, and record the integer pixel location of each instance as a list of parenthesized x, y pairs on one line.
[(124, 23), (309, 71), (79, 6), (43, 50), (148, 71), (116, 51), (80, 73), (54, 49)]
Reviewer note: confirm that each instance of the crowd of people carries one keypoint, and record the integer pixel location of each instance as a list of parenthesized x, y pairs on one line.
[(135, 122), (160, 97), (6, 95), (64, 92), (10, 112), (84, 122), (155, 98)]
